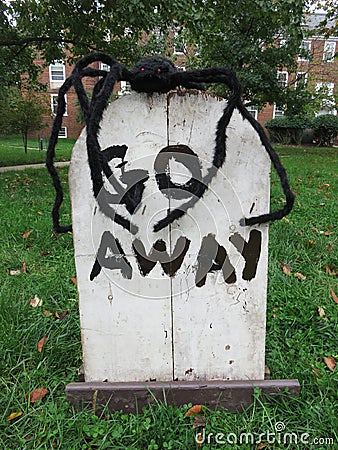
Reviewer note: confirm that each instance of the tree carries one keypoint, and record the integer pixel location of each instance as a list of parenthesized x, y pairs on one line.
[(22, 112), (256, 38), (66, 29)]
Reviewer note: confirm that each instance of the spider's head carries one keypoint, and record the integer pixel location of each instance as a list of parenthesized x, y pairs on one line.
[(152, 75)]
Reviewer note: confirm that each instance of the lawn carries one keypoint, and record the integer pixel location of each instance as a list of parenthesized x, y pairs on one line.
[(12, 152), (302, 319)]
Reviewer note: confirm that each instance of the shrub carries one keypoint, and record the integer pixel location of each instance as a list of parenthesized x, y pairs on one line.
[(325, 129), (288, 130)]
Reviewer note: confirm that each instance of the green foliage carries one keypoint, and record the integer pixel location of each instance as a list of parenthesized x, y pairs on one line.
[(326, 129), (288, 130), (22, 112), (244, 35)]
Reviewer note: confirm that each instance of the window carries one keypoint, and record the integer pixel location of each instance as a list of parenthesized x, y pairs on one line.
[(278, 111), (253, 111), (304, 51), (57, 72), (329, 51), (63, 132), (105, 67), (54, 104), (326, 90), (179, 46), (124, 88), (282, 78), (301, 79)]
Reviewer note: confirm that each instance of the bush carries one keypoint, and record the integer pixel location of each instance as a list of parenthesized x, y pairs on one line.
[(325, 129), (288, 130)]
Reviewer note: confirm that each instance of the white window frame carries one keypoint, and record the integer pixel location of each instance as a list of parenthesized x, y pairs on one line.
[(328, 105), (53, 104), (301, 77), (253, 110), (180, 51), (125, 88), (63, 133), (280, 75), (278, 111), (329, 51), (105, 67), (52, 67), (307, 46)]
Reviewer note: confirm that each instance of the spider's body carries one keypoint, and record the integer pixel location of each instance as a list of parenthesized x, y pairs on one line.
[(158, 74)]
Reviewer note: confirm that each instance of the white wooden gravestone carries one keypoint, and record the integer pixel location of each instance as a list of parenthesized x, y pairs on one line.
[(181, 309)]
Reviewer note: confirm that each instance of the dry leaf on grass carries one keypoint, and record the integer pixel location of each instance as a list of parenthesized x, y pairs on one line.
[(47, 313), (26, 234), (37, 394), (41, 343), (300, 276), (73, 280), (14, 415), (321, 311), (63, 315), (267, 370), (13, 272), (199, 421), (287, 269), (330, 362), (36, 301), (334, 296), (262, 445), (196, 409), (44, 253)]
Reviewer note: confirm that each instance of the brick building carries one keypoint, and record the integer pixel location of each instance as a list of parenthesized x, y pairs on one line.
[(317, 66)]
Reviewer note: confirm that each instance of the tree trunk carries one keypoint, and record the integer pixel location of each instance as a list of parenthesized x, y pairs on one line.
[(25, 139)]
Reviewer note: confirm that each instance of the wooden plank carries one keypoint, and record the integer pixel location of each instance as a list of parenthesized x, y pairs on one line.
[(125, 317), (132, 397), (219, 328)]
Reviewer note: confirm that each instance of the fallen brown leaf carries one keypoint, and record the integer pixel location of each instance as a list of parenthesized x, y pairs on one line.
[(26, 234), (47, 313), (73, 280), (63, 315), (330, 362), (13, 272), (300, 276), (312, 242), (334, 296), (41, 343), (196, 409), (321, 311), (326, 185), (40, 213), (328, 270), (43, 253), (262, 445), (23, 268), (267, 370), (36, 301), (286, 268), (14, 415), (199, 421), (37, 394)]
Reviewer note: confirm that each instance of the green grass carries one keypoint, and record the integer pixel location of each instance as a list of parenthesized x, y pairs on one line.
[(297, 337), (12, 152)]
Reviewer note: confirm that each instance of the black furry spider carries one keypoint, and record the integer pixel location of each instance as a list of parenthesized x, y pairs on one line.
[(149, 75)]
